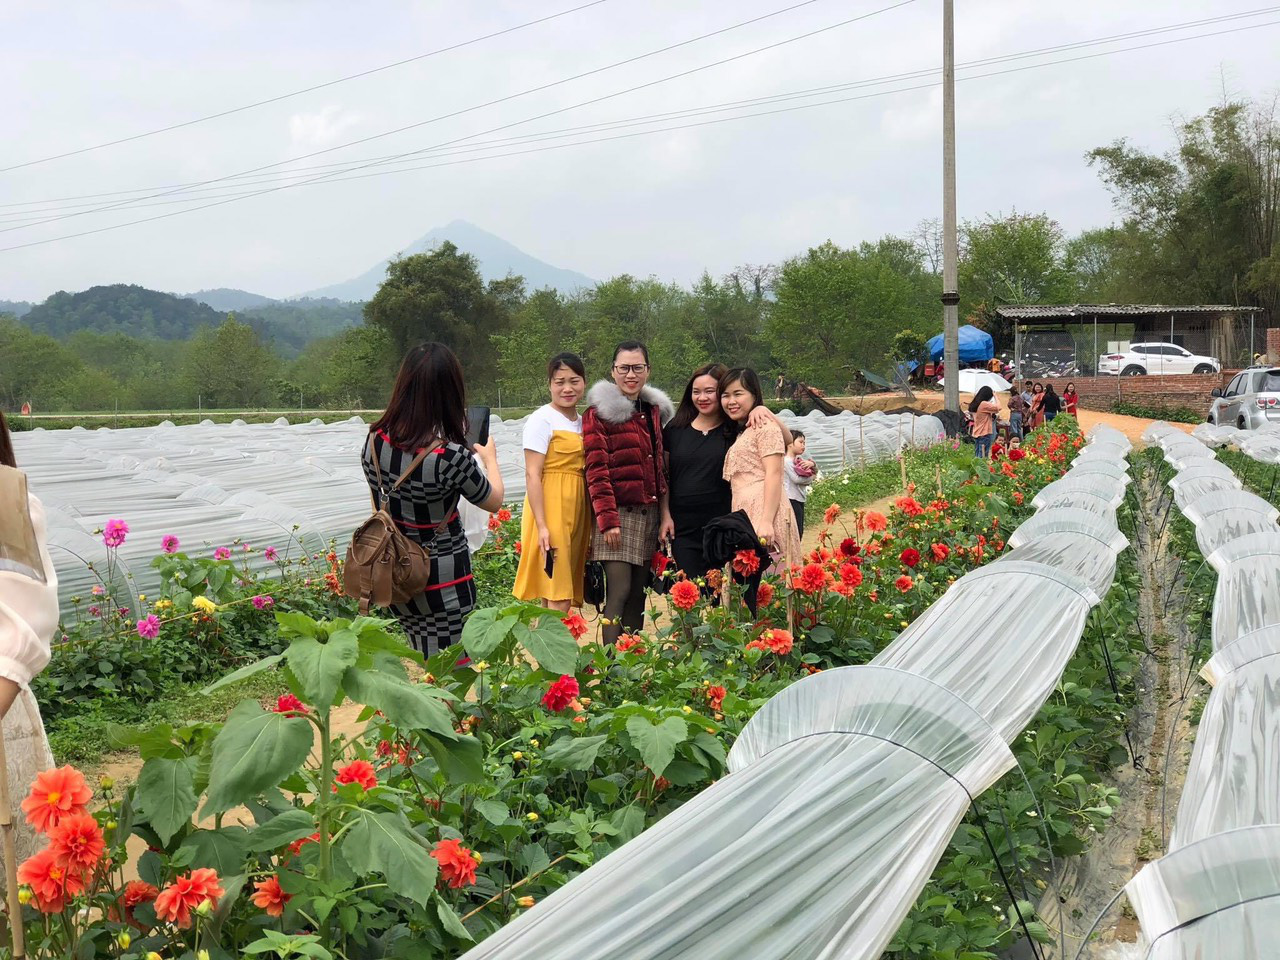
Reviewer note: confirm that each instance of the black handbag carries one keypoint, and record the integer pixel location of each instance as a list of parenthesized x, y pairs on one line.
[(593, 585)]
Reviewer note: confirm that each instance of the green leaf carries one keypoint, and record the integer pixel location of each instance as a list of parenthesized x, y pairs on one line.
[(235, 676), (574, 753), (279, 830), (382, 843), (375, 638), (450, 921), (657, 741), (296, 625), (484, 631), (166, 795), (155, 742), (223, 849), (495, 811), (319, 666), (551, 644), (461, 760), (408, 705), (254, 751)]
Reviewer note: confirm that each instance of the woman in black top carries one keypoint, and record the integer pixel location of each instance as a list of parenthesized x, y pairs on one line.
[(696, 441), (1052, 403)]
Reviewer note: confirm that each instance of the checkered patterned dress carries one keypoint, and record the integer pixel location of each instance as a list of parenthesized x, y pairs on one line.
[(426, 509)]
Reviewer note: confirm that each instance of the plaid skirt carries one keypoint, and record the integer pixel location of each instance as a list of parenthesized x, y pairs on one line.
[(639, 536)]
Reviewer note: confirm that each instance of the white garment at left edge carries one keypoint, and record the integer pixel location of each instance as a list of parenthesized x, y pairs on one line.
[(28, 622)]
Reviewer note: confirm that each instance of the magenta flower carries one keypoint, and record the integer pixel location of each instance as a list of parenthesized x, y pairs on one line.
[(99, 590), (222, 553), (271, 554), (113, 534), (95, 611), (244, 547), (261, 603), (169, 543), (149, 628)]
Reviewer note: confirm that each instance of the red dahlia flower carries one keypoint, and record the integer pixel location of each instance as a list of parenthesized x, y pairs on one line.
[(850, 575), (940, 552), (457, 863), (746, 563), (358, 771), (561, 693), (577, 626), (764, 595), (176, 901), (904, 583), (832, 512), (909, 557), (269, 897), (77, 842), (684, 594), (849, 547), (54, 795), (812, 578)]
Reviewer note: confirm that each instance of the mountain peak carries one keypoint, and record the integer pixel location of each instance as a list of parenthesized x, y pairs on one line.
[(497, 258)]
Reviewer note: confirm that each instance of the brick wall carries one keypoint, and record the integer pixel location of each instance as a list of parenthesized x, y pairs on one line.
[(1099, 393), (1273, 345)]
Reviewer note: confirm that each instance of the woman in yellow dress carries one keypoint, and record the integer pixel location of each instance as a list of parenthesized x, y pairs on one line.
[(555, 524)]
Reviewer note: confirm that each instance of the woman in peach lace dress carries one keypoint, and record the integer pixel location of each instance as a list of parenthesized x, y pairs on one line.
[(753, 466)]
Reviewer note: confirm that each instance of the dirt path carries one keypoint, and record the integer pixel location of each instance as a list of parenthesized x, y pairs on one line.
[(1138, 832)]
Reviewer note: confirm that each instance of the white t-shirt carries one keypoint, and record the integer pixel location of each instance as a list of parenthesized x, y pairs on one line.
[(542, 423)]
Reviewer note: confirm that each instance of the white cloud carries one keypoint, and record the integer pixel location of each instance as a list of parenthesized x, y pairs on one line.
[(323, 128)]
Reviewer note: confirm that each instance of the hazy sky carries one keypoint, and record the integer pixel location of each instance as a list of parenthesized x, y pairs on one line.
[(671, 203)]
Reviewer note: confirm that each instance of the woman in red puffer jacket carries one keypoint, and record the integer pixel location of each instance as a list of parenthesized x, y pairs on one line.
[(622, 434)]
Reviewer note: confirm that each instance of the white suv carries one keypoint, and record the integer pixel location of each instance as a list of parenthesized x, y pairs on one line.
[(1155, 358), (1251, 400)]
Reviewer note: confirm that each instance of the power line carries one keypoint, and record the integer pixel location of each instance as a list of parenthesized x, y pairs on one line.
[(782, 110), (196, 187), (447, 116), (311, 89)]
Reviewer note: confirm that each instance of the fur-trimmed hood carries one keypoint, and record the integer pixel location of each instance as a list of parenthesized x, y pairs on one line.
[(612, 405)]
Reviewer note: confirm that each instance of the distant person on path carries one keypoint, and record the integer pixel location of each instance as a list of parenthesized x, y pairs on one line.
[(1070, 399), (427, 415), (28, 623), (798, 475), (696, 441), (984, 407), (1037, 405), (754, 471), (1052, 403), (1028, 390), (622, 433), (555, 528), (1017, 412)]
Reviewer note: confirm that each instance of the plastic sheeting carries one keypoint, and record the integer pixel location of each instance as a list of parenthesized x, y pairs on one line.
[(845, 788), (1217, 893), (1216, 899), (291, 487)]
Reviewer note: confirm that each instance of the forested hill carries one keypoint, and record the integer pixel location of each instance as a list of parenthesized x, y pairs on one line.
[(19, 308), (228, 298), (121, 308)]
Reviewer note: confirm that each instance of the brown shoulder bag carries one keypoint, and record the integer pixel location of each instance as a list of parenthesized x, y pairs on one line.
[(383, 565)]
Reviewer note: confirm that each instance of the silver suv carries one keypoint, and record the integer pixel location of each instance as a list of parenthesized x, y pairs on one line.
[(1251, 400)]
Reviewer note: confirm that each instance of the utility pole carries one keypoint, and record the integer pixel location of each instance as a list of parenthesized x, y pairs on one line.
[(950, 244)]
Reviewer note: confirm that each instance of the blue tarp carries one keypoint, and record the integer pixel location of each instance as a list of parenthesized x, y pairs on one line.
[(975, 345)]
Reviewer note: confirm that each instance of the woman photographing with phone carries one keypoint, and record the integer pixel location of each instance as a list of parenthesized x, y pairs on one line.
[(622, 434), (421, 437), (555, 528)]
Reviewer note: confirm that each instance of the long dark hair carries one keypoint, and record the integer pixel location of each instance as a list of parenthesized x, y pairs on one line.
[(686, 413), (1048, 388), (1070, 388), (750, 380), (7, 459), (429, 400), (984, 394)]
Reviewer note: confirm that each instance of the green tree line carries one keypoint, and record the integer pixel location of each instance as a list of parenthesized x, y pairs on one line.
[(1200, 224)]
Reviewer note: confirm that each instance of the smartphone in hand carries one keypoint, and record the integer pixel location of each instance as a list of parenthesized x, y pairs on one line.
[(550, 565), (477, 426)]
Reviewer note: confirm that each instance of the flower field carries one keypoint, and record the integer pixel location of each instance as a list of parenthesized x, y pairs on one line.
[(488, 775)]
